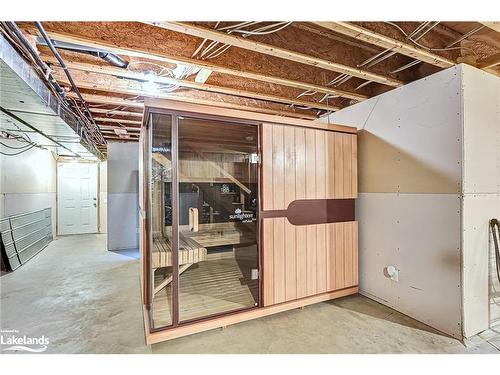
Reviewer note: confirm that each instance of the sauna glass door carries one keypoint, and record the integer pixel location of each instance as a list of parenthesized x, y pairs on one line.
[(203, 207), (218, 204)]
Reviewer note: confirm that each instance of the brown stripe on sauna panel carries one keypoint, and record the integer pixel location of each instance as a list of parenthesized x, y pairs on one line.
[(315, 211)]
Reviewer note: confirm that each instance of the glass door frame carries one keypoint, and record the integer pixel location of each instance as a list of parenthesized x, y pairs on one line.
[(147, 164)]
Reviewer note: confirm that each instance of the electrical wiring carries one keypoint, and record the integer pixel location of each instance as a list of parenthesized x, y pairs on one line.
[(447, 48), (17, 153), (15, 148), (215, 49)]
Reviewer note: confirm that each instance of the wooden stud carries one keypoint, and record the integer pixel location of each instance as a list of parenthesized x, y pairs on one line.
[(240, 42), (173, 59), (354, 31), (123, 73)]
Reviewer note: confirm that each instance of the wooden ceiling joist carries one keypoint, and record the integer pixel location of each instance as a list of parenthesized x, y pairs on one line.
[(368, 36), (115, 112), (112, 84), (105, 99), (113, 127), (123, 73), (122, 139), (121, 121), (489, 62), (143, 52), (493, 25), (204, 33)]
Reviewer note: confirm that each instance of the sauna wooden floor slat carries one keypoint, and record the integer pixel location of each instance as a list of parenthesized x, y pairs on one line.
[(208, 287)]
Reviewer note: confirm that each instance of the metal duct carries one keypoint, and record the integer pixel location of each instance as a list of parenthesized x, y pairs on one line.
[(106, 56)]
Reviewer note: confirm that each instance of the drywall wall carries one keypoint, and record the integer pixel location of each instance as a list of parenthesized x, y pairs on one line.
[(481, 198), (27, 182), (103, 197), (409, 156), (122, 202)]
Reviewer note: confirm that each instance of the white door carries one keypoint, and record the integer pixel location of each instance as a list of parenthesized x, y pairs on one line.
[(77, 198)]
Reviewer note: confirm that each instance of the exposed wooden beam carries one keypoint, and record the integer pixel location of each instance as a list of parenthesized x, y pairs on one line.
[(123, 139), (489, 62), (104, 99), (115, 112), (110, 119), (112, 127), (143, 52), (108, 83), (118, 72), (202, 32), (383, 41), (493, 25)]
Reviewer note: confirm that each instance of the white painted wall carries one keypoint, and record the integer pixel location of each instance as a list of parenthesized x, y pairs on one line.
[(429, 181), (123, 209), (409, 149), (481, 198), (27, 181)]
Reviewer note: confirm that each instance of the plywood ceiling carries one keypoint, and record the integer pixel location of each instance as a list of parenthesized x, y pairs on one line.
[(302, 69)]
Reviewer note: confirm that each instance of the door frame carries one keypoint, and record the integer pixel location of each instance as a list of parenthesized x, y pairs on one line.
[(148, 276)]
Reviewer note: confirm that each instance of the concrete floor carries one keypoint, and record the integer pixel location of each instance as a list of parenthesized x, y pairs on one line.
[(86, 300)]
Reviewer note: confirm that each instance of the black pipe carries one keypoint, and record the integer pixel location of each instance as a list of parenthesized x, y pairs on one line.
[(106, 56), (495, 229), (46, 70), (99, 137)]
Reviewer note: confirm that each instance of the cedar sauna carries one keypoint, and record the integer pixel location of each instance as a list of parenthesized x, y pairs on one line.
[(242, 215)]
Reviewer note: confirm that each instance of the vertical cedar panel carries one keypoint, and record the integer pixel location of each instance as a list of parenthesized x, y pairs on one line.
[(348, 275), (338, 167), (347, 164), (332, 284), (278, 168), (268, 257), (328, 257), (301, 249), (289, 143), (310, 164), (311, 269), (339, 256), (320, 164), (321, 259), (300, 163), (355, 261), (290, 262), (327, 174), (331, 165), (354, 166), (279, 260), (267, 166)]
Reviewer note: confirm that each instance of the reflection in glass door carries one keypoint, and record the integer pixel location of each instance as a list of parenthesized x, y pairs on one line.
[(218, 206), (161, 219), (204, 234)]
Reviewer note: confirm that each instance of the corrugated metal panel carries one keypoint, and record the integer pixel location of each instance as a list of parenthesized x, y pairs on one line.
[(23, 236)]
